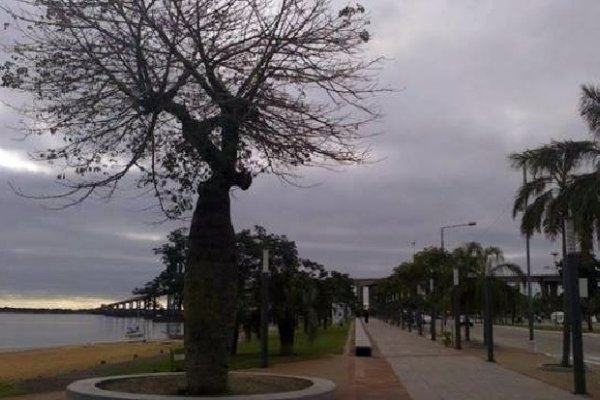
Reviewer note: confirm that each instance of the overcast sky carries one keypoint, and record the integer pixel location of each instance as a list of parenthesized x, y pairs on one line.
[(477, 79)]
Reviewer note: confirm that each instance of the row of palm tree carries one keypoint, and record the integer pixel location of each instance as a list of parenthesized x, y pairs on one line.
[(564, 185), (427, 282)]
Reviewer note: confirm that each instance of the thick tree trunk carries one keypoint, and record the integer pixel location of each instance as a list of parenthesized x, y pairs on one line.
[(286, 329), (236, 336), (444, 321), (247, 332), (210, 290)]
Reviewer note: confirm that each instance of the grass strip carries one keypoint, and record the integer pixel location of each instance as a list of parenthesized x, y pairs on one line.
[(329, 341), (8, 389)]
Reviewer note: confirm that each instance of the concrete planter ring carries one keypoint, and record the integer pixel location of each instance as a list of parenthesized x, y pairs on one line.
[(92, 389)]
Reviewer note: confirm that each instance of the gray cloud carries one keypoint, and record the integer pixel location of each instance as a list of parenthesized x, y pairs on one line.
[(477, 80)]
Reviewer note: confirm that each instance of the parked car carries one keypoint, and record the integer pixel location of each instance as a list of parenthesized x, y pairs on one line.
[(426, 319)]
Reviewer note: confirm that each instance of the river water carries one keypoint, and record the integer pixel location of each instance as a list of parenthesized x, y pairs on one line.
[(27, 331)]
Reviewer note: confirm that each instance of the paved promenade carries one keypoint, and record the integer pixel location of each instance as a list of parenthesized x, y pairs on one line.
[(431, 371)]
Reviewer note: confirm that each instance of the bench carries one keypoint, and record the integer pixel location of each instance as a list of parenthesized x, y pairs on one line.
[(362, 343)]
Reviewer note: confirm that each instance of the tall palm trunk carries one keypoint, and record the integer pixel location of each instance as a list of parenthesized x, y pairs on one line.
[(566, 351), (236, 336), (210, 290)]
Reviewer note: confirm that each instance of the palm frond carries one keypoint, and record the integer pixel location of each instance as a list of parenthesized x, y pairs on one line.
[(530, 190), (589, 107), (556, 210), (512, 268), (533, 216), (558, 157)]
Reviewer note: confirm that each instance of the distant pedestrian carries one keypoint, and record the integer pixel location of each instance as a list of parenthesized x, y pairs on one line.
[(366, 315)]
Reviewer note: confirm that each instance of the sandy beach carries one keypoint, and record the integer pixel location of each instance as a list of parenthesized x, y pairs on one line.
[(47, 362)]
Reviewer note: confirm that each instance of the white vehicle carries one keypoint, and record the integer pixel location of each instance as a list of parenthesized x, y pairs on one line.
[(558, 317), (463, 320), (426, 319)]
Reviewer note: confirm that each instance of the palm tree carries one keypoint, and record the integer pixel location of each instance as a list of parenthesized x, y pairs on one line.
[(409, 277), (433, 262), (553, 168), (584, 199), (590, 107), (472, 260)]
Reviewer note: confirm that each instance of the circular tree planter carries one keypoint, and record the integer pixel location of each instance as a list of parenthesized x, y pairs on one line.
[(131, 387)]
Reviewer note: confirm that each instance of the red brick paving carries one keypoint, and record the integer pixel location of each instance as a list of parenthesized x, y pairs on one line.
[(373, 379)]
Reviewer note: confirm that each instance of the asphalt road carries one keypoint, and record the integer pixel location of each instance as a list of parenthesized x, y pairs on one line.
[(547, 342)]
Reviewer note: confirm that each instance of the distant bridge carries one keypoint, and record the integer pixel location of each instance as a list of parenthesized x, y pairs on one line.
[(142, 306), (549, 283), (362, 288)]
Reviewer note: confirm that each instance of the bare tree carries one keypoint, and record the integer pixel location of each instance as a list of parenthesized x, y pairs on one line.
[(193, 98)]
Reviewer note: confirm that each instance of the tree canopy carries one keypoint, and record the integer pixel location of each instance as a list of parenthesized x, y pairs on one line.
[(180, 90), (299, 287), (408, 289)]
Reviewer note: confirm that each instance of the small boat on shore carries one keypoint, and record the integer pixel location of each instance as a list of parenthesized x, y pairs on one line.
[(134, 333)]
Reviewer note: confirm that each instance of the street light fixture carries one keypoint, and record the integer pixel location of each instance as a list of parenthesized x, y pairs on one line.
[(456, 299), (453, 226)]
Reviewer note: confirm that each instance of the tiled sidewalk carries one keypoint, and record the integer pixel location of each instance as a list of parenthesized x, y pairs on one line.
[(430, 371), (372, 378), (357, 378)]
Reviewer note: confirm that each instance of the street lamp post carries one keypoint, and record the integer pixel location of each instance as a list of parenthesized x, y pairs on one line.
[(419, 314), (433, 316), (264, 322), (572, 292), (456, 298), (488, 327)]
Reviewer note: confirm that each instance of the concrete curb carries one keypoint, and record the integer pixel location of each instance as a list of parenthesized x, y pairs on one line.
[(87, 389)]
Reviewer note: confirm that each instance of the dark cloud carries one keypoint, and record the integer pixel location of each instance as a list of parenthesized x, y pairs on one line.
[(476, 80)]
